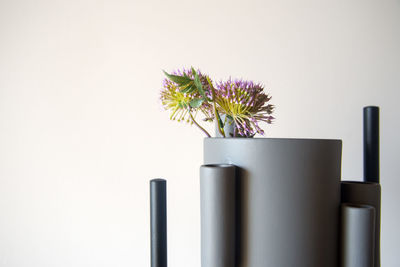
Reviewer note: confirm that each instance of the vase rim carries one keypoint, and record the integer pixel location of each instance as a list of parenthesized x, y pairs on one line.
[(272, 139), (358, 182), (357, 206), (219, 165)]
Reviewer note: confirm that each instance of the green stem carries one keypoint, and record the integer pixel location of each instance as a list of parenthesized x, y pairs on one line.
[(198, 125), (216, 115)]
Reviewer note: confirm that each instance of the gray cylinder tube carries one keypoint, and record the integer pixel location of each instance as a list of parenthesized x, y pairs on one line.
[(365, 193), (289, 199), (357, 235), (218, 215)]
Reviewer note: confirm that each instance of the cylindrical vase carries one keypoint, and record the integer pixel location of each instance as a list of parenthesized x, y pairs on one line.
[(365, 193), (158, 222), (371, 144), (289, 199), (218, 200), (357, 235)]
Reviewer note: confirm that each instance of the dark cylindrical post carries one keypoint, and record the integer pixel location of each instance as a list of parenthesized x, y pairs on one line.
[(357, 235), (158, 222), (371, 144)]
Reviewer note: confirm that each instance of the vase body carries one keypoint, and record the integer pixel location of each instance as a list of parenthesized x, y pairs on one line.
[(365, 193), (357, 242), (158, 222), (218, 196), (289, 199)]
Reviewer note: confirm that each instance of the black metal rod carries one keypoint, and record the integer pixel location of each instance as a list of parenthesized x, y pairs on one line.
[(158, 222), (371, 144)]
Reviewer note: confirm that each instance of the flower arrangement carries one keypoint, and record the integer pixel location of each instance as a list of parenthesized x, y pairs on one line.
[(188, 92)]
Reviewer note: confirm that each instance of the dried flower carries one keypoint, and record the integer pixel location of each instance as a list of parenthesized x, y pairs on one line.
[(181, 102), (245, 103), (187, 92)]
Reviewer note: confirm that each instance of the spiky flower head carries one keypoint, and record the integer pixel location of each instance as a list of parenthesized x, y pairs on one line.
[(245, 103), (178, 95)]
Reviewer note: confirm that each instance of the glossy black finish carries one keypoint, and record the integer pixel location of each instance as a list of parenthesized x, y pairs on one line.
[(158, 222), (371, 144)]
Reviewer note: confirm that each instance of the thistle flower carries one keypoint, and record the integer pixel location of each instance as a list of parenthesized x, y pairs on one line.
[(245, 103), (187, 92), (181, 100), (173, 99)]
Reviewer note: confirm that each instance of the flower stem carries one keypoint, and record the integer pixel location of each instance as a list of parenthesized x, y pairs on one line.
[(216, 115), (198, 125)]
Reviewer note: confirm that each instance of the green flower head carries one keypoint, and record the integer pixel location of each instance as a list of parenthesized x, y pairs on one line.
[(180, 95)]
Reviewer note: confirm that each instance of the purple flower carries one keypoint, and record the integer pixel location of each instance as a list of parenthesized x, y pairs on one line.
[(245, 103)]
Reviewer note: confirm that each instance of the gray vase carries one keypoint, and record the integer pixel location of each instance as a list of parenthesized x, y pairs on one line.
[(365, 193), (218, 197), (289, 199), (357, 235)]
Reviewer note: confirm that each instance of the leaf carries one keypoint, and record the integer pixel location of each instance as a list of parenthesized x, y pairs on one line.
[(188, 88), (209, 81), (212, 89), (180, 80), (197, 83), (220, 123), (195, 103), (208, 119)]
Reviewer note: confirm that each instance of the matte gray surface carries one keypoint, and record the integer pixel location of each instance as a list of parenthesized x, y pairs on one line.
[(365, 193), (218, 215), (290, 199), (357, 235)]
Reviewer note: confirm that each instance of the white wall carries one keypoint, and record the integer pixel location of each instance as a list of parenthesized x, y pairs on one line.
[(82, 130)]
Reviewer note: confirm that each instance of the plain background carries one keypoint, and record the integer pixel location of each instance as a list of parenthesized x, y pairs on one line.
[(82, 130)]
